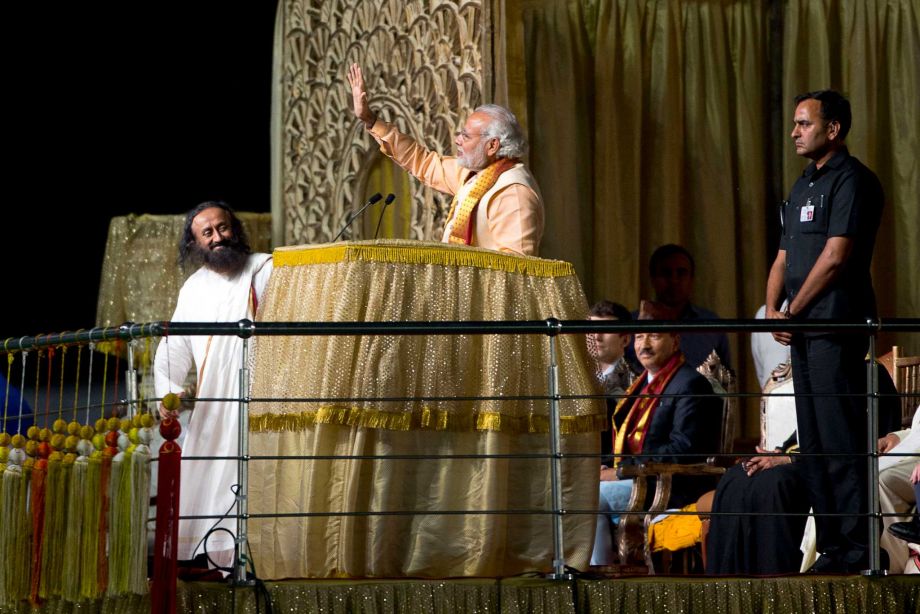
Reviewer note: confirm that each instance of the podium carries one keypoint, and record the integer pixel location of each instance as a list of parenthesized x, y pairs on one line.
[(422, 400)]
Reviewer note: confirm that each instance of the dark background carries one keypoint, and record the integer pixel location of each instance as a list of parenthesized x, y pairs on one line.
[(117, 108)]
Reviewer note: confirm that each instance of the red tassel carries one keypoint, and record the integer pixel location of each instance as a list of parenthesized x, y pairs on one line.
[(39, 472), (163, 595)]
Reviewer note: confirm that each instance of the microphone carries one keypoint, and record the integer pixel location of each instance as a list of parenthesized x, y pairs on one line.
[(386, 203), (353, 216)]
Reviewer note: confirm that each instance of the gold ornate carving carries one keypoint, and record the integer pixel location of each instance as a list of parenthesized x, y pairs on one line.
[(422, 64)]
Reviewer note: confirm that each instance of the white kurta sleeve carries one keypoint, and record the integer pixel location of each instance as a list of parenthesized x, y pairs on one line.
[(173, 359), (260, 278)]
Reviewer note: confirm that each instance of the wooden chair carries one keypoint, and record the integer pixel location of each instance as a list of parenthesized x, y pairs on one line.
[(632, 536), (906, 377)]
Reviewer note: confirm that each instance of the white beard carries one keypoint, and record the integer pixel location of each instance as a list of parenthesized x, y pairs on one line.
[(475, 160)]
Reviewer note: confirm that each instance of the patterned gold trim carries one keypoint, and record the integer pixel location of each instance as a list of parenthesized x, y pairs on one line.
[(444, 255), (426, 419)]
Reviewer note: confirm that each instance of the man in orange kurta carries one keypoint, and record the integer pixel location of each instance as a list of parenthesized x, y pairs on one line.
[(497, 203)]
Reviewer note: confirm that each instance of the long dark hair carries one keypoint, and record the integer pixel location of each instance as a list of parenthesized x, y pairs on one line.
[(187, 242)]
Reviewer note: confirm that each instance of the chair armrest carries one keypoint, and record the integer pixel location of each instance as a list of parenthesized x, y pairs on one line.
[(660, 469)]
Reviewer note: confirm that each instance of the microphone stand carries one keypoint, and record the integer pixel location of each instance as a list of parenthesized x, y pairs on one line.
[(352, 217)]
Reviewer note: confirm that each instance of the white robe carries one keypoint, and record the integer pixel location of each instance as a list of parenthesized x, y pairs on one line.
[(205, 485)]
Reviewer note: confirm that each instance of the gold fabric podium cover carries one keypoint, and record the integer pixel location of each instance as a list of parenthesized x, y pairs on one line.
[(409, 281)]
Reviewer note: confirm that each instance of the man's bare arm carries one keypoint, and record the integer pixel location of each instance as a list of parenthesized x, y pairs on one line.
[(833, 257), (775, 285)]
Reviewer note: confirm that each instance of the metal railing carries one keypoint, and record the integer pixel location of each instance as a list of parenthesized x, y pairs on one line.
[(551, 327)]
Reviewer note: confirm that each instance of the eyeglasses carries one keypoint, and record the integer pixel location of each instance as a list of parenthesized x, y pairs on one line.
[(463, 135)]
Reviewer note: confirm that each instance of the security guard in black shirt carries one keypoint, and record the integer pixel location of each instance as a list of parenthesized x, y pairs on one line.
[(829, 226)]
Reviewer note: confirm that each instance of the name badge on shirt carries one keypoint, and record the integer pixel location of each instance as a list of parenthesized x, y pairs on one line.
[(808, 212)]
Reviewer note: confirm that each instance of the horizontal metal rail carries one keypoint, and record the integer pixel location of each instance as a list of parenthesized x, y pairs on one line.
[(550, 326)]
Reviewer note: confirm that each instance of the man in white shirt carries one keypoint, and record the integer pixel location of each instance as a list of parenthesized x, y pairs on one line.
[(896, 493), (225, 288)]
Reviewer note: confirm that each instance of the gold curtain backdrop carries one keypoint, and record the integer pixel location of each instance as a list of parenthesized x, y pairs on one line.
[(650, 121), (392, 281), (871, 52)]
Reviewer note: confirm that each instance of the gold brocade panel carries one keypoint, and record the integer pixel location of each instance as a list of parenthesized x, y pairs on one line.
[(391, 281), (424, 403)]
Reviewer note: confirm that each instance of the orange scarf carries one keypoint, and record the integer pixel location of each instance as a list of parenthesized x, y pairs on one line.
[(641, 408), (462, 230)]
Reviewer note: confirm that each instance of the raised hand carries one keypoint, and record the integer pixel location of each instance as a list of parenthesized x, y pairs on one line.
[(359, 96)]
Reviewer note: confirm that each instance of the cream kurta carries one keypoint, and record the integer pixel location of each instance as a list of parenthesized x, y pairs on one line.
[(509, 217), (205, 485)]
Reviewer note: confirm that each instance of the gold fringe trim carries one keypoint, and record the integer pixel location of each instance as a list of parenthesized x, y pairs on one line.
[(426, 419), (440, 254)]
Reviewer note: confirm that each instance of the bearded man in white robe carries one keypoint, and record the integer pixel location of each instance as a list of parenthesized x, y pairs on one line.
[(226, 287)]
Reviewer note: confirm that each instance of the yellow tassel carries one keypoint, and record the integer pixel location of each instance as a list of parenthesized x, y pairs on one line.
[(89, 547), (58, 491), (427, 254), (120, 528), (23, 537), (15, 536), (9, 498), (73, 532), (140, 506), (4, 528), (424, 419)]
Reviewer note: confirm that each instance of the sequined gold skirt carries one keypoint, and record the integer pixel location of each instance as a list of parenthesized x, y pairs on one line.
[(426, 399)]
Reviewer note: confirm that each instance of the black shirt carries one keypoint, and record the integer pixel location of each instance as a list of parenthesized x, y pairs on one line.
[(841, 199)]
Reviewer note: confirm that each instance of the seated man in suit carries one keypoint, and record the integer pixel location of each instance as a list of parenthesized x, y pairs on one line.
[(665, 415)]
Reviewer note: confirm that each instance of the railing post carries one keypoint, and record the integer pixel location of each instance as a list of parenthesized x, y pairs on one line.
[(242, 505), (558, 572), (131, 381), (872, 458)]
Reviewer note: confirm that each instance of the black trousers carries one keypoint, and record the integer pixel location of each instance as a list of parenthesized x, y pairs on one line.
[(834, 365)]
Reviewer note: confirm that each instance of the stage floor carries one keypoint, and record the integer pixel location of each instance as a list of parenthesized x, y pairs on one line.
[(807, 594)]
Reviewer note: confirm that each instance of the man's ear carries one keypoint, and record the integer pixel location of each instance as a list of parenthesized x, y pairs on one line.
[(833, 129), (493, 146)]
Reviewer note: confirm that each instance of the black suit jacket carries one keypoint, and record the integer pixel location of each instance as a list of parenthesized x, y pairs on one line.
[(682, 424)]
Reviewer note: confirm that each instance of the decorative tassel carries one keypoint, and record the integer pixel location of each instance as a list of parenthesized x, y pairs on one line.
[(120, 523), (102, 561), (89, 550), (109, 494), (56, 503), (140, 504), (9, 528), (73, 531), (163, 597), (39, 473), (15, 535), (4, 525)]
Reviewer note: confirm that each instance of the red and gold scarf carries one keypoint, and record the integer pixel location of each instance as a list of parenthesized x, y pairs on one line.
[(461, 231), (630, 436)]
